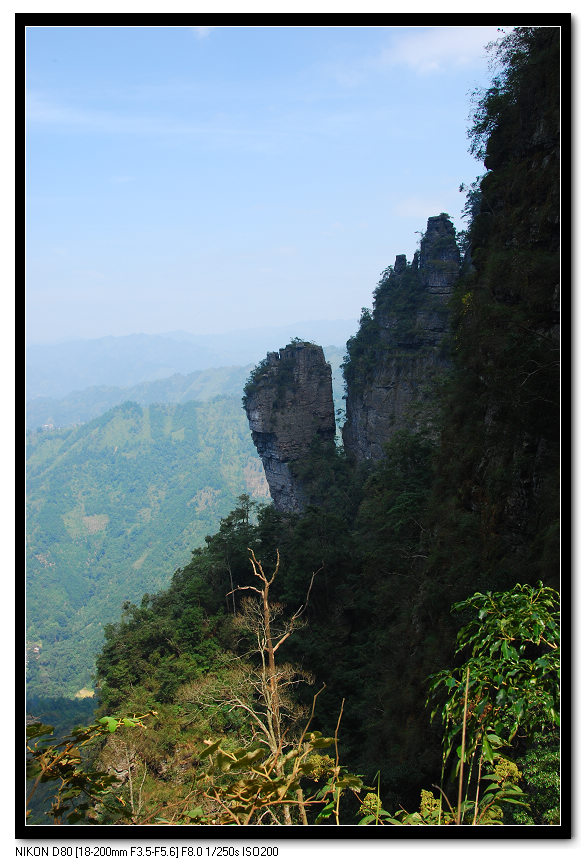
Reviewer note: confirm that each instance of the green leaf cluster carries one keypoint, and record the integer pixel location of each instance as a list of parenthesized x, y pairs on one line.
[(81, 789), (513, 665), (246, 782)]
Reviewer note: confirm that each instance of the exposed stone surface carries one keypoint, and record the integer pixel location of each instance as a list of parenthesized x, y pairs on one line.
[(393, 360), (399, 350), (288, 401)]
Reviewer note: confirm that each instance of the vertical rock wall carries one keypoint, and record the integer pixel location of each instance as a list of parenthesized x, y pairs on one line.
[(399, 349), (288, 401), (393, 360)]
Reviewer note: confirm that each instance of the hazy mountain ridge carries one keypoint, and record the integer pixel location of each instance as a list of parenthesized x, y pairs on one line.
[(82, 406), (57, 370)]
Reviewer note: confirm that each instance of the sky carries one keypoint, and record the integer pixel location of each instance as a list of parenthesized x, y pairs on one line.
[(210, 179)]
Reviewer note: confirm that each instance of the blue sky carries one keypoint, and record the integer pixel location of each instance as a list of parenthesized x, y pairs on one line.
[(217, 178)]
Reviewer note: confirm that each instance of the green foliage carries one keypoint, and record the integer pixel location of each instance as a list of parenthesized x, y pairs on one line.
[(82, 790), (510, 678), (229, 785), (495, 502), (261, 781), (513, 663), (247, 785), (397, 300), (540, 765), (395, 495), (524, 56), (486, 809), (258, 778), (112, 507), (361, 348), (167, 640), (508, 684), (381, 553), (251, 383)]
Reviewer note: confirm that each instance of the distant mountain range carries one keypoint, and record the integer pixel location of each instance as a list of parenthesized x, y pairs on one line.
[(81, 406), (55, 370)]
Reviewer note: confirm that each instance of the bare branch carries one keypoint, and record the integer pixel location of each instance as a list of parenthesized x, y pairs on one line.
[(315, 696), (296, 615), (244, 589), (337, 728)]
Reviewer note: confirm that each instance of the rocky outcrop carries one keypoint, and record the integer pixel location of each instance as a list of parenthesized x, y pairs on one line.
[(399, 349), (288, 402), (391, 364)]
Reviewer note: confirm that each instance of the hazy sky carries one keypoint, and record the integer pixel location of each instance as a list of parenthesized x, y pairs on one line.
[(215, 178)]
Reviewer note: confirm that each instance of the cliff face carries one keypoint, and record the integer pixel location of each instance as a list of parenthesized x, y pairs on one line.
[(399, 347), (505, 400), (288, 402), (391, 364)]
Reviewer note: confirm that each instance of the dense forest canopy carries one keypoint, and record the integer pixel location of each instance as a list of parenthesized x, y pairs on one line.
[(411, 613), (112, 505)]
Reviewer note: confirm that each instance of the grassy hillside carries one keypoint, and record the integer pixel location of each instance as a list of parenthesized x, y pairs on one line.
[(114, 506)]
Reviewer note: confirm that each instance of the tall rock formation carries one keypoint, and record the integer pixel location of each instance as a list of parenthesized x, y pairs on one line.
[(504, 403), (288, 402), (399, 347)]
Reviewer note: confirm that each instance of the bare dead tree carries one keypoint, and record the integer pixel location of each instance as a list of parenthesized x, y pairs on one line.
[(262, 691), (273, 681)]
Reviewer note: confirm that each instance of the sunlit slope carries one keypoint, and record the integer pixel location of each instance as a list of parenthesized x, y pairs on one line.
[(114, 507)]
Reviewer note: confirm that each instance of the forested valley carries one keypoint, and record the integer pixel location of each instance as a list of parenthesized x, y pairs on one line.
[(389, 656), (115, 504)]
